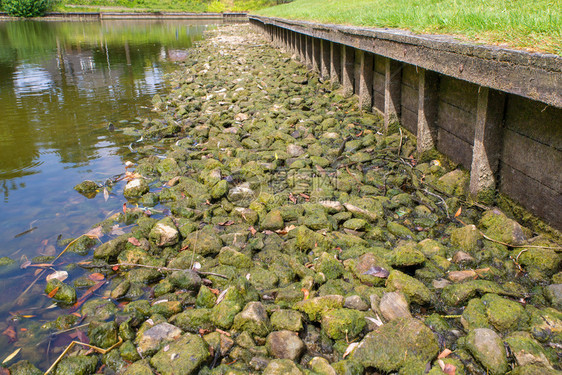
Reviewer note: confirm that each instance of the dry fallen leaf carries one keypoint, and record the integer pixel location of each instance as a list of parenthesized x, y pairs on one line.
[(458, 213), (96, 232), (447, 368), (96, 276), (49, 251), (134, 241), (116, 231), (253, 231), (350, 348), (11, 356), (59, 275), (53, 292), (444, 353), (11, 333)]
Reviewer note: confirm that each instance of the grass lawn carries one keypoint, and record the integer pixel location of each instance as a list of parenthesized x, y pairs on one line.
[(534, 25)]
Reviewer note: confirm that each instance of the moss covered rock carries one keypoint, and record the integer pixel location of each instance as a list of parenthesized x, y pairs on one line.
[(183, 356), (62, 292), (77, 365), (135, 188), (504, 314), (414, 289), (385, 348), (343, 323), (253, 319), (316, 307)]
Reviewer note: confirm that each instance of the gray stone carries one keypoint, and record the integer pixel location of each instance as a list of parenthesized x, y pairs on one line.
[(284, 345), (295, 150), (151, 339), (252, 319), (164, 233), (394, 305), (355, 303), (135, 188), (487, 347), (282, 367), (554, 294)]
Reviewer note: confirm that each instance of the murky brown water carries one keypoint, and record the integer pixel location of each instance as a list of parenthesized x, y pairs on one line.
[(61, 84)]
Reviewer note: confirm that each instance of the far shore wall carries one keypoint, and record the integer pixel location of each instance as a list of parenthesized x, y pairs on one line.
[(497, 112), (94, 16)]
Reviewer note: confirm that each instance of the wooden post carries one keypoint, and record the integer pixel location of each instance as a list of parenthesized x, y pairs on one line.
[(316, 54), (335, 63), (487, 141), (366, 81), (301, 47), (348, 69), (325, 60), (308, 58), (392, 92), (428, 101)]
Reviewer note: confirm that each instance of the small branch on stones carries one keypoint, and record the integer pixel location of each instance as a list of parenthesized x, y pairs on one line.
[(442, 200), (164, 269)]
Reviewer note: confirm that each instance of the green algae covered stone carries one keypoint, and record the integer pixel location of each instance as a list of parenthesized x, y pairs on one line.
[(343, 323), (386, 347), (184, 356)]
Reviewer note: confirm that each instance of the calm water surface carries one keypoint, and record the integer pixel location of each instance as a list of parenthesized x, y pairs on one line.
[(61, 84)]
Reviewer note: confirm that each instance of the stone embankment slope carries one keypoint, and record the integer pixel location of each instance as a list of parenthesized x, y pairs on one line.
[(298, 239)]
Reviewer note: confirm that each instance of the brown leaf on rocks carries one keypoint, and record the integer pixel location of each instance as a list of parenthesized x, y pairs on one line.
[(49, 251), (96, 232), (134, 241), (377, 272), (226, 223), (11, 333), (458, 213), (173, 181), (96, 276), (59, 275), (253, 231), (447, 368), (444, 353), (53, 292), (292, 198), (459, 276), (116, 231)]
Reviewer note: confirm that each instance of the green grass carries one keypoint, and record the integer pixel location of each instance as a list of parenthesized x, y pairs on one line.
[(534, 25), (161, 5)]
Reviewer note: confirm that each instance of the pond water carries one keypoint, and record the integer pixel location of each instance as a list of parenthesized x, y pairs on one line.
[(61, 86)]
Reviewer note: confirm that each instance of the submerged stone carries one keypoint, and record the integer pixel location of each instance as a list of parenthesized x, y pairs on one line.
[(61, 292)]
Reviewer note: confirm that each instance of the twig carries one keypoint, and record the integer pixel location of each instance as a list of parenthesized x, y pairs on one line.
[(71, 345), (514, 246), (400, 144), (442, 200), (30, 285), (352, 175), (165, 269)]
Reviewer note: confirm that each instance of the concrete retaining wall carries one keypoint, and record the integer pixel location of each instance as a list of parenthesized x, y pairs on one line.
[(497, 112), (85, 16)]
